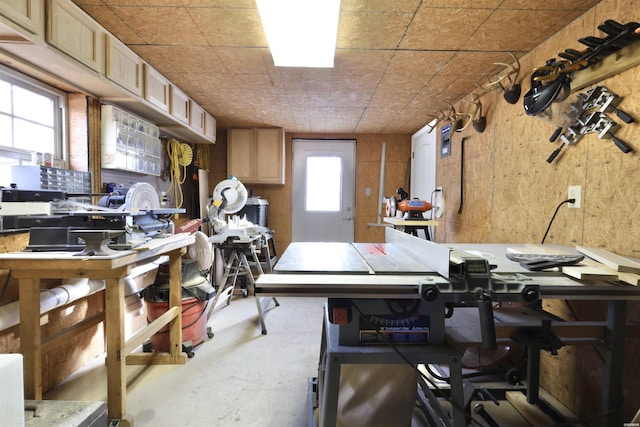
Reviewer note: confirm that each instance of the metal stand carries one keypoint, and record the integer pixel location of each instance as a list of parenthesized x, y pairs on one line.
[(333, 355), (238, 265)]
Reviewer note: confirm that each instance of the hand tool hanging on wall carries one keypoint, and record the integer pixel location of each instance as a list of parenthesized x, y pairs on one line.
[(587, 114), (552, 82), (461, 175)]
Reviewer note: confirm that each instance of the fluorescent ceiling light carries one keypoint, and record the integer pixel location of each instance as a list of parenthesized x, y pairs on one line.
[(300, 33)]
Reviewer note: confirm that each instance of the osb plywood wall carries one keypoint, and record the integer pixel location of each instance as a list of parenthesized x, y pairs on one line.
[(368, 156), (511, 193)]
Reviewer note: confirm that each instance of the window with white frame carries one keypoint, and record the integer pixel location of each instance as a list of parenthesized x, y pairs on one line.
[(31, 122)]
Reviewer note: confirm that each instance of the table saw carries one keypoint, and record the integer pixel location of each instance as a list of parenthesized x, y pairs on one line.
[(393, 302)]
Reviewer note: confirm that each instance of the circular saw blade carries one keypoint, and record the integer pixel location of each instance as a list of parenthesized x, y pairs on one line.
[(200, 251), (230, 196), (141, 197)]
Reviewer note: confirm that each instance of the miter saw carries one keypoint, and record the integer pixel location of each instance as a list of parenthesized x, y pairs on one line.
[(409, 209), (134, 212), (228, 198)]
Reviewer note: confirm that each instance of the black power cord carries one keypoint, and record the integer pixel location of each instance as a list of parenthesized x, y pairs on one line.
[(554, 217)]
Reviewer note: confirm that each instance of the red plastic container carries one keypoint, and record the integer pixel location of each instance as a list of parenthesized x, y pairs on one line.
[(194, 322)]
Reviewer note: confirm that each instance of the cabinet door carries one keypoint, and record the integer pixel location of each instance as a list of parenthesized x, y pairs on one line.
[(75, 33), (122, 65), (269, 155), (179, 104), (156, 88), (210, 127), (196, 117), (29, 14), (240, 154)]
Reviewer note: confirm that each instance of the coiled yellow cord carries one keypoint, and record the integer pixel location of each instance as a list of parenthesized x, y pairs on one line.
[(174, 148)]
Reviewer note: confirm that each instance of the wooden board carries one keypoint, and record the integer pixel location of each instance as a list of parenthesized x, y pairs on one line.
[(615, 261), (529, 411), (587, 272)]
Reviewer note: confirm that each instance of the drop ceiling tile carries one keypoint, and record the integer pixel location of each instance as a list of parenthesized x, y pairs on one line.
[(245, 60), (371, 30), (254, 83), (230, 26), (440, 28), (379, 5), (162, 25), (193, 59), (354, 61), (232, 4), (157, 56), (390, 99), (547, 5), (113, 23), (503, 30), (475, 63), (423, 63), (345, 98), (309, 99), (465, 4)]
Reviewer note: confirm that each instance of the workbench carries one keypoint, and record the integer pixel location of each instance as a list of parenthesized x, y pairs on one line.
[(412, 225), (405, 267), (31, 267)]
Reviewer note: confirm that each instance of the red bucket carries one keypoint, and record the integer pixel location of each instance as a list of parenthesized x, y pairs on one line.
[(194, 323)]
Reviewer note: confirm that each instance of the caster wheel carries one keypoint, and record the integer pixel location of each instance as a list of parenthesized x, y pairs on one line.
[(147, 347), (513, 376), (209, 333), (190, 354)]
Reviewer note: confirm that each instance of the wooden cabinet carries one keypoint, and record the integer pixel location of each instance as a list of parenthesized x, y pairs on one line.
[(122, 65), (209, 127), (156, 88), (196, 117), (28, 14), (179, 104), (75, 33), (256, 155)]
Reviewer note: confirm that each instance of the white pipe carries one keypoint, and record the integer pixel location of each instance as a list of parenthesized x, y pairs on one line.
[(383, 158), (50, 299)]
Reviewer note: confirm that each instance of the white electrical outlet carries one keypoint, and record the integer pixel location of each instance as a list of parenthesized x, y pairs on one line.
[(575, 192)]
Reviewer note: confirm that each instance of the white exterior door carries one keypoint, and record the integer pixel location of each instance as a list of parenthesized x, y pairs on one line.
[(323, 188), (423, 164)]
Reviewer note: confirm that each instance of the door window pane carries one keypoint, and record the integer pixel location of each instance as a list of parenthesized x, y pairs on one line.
[(324, 176)]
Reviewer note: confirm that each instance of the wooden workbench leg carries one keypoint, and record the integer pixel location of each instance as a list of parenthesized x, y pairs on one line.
[(175, 300), (31, 337), (116, 361)]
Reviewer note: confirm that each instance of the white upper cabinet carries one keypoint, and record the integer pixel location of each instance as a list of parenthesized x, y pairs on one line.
[(28, 14), (196, 117), (156, 88), (122, 65), (179, 104), (209, 127), (75, 33)]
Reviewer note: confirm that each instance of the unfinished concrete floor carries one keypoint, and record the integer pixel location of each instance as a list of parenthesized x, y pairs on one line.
[(238, 378)]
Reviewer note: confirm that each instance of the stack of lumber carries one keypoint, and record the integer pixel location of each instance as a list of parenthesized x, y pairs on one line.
[(598, 264)]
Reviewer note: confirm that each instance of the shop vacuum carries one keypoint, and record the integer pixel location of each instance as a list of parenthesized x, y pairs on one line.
[(196, 294)]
